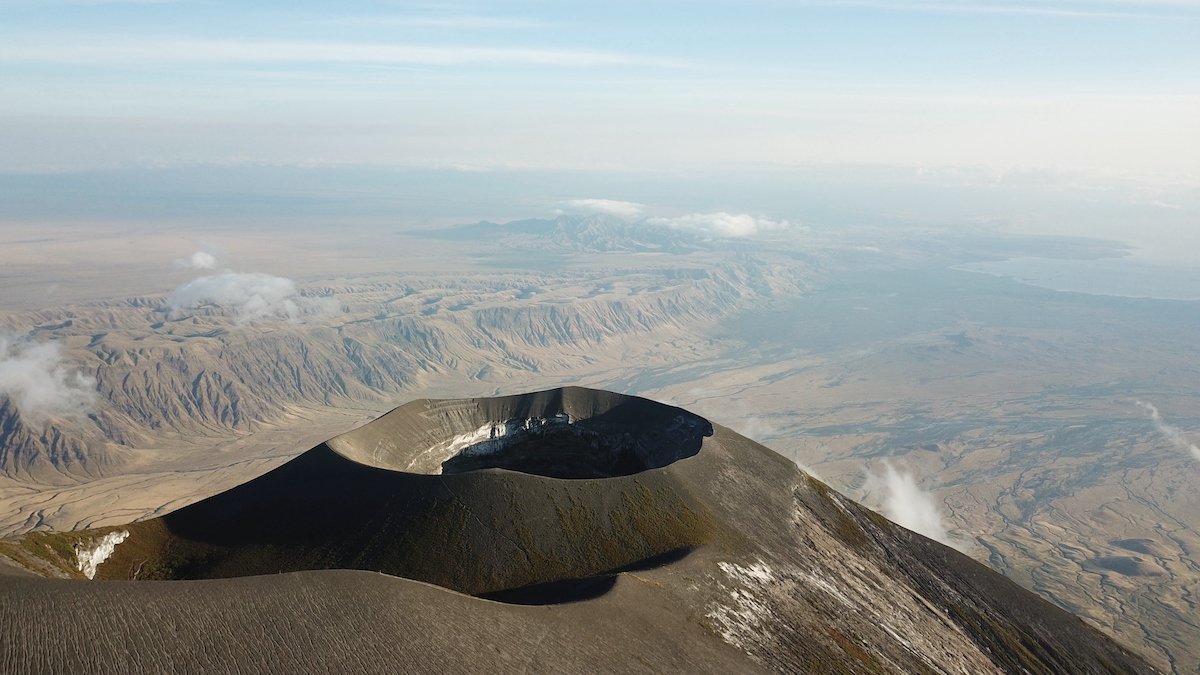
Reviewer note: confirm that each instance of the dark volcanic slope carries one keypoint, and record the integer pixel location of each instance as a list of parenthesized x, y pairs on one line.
[(339, 622), (618, 534)]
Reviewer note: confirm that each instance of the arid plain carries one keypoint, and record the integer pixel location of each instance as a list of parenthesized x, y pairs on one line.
[(1025, 412)]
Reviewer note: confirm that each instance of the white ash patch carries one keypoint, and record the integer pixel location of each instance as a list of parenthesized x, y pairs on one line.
[(487, 439), (759, 571), (502, 434), (837, 501), (746, 618), (894, 612), (828, 588), (87, 559), (758, 602)]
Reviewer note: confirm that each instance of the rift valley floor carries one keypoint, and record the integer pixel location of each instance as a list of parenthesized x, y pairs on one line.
[(1018, 407)]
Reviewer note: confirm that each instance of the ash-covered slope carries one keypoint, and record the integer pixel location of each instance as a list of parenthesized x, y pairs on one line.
[(652, 538)]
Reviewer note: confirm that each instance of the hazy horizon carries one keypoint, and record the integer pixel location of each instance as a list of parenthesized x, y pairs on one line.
[(1083, 85)]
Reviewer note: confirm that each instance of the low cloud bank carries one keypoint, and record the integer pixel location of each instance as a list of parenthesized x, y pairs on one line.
[(721, 224), (905, 503), (717, 225), (33, 376), (250, 296), (200, 260), (603, 207), (1172, 434)]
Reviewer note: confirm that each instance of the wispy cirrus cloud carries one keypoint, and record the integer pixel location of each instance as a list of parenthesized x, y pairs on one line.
[(464, 22), (605, 207), (1116, 9), (51, 3), (67, 50)]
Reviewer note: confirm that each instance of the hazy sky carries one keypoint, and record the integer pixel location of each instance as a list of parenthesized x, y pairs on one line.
[(1082, 84)]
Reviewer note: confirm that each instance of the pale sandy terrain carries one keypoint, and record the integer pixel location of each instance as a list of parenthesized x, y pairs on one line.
[(51, 265), (1015, 407), (1062, 483)]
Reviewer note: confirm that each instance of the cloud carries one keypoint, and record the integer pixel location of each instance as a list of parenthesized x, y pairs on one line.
[(208, 52), (1086, 9), (718, 225), (722, 224), (200, 260), (604, 207), (44, 3), (34, 378), (250, 296), (1173, 434), (904, 502), (457, 21)]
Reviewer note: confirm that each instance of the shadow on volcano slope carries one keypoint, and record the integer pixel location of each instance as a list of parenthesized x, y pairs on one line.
[(578, 590)]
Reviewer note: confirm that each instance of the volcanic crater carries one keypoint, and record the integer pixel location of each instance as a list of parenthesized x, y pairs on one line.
[(630, 522), (481, 496), (554, 434)]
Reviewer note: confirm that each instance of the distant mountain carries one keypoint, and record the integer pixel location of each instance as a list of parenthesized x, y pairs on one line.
[(27, 449), (569, 530), (203, 374), (592, 233)]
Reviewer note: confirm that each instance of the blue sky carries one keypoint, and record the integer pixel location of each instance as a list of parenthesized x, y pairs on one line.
[(1077, 84)]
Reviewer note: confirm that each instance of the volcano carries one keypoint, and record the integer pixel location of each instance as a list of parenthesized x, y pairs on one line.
[(571, 530)]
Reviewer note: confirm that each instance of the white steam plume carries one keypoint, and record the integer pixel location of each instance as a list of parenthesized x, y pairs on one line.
[(251, 296), (200, 260), (905, 503), (1173, 434), (756, 428), (34, 378), (721, 224)]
